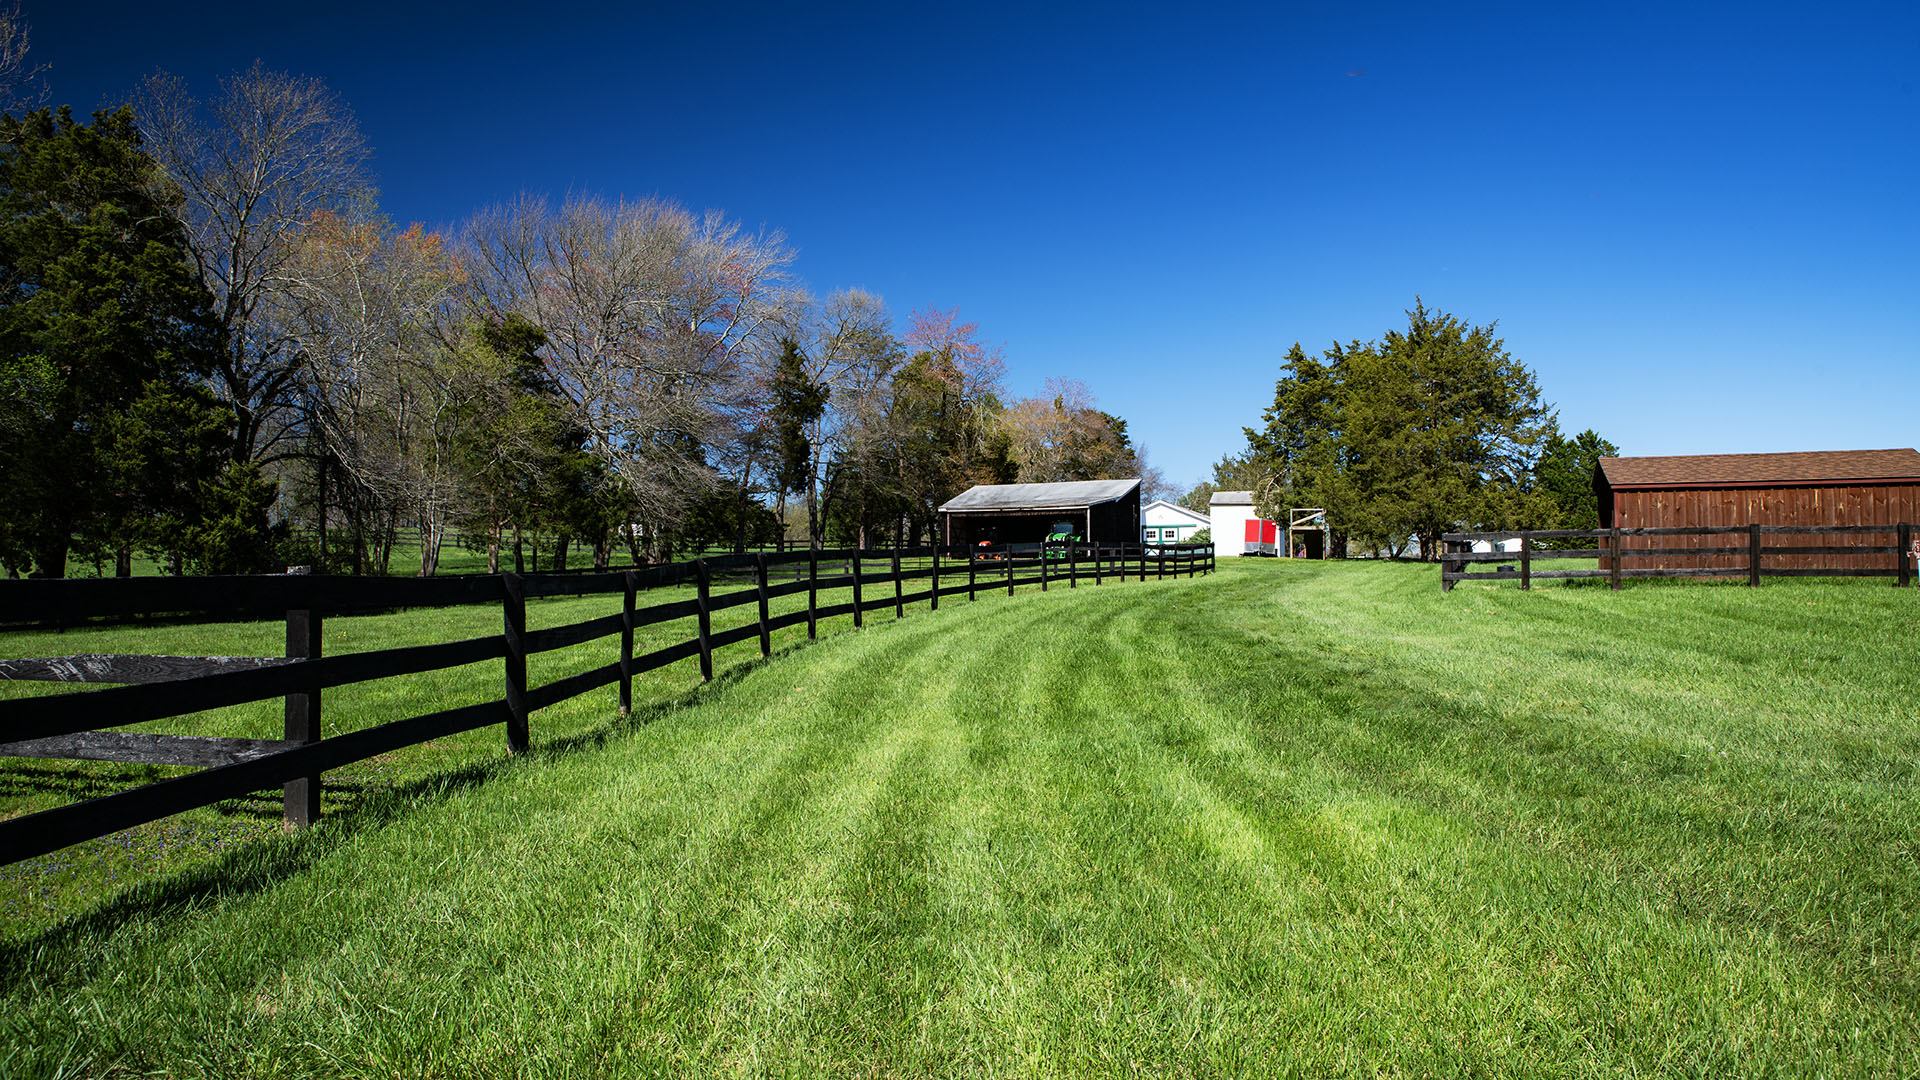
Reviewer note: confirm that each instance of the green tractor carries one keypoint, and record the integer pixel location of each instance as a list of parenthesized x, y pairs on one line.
[(1060, 540)]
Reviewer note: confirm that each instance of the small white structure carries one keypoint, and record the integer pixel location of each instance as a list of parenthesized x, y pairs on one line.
[(1231, 514), (1162, 522)]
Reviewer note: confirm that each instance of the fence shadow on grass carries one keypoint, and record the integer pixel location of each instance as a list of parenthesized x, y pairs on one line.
[(259, 865)]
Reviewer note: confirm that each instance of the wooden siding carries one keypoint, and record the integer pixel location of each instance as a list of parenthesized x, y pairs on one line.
[(1811, 505)]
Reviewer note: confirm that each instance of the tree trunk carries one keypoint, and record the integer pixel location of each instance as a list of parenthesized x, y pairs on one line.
[(560, 551), (123, 561)]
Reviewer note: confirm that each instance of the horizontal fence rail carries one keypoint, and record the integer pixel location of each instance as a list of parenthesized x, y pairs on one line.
[(1721, 551), (147, 688)]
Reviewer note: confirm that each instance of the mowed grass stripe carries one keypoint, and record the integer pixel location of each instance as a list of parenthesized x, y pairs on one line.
[(1288, 820)]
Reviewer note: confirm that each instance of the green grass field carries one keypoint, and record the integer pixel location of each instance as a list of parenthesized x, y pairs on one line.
[(1293, 819)]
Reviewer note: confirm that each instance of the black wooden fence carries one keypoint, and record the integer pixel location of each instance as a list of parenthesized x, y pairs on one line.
[(1747, 557), (158, 687)]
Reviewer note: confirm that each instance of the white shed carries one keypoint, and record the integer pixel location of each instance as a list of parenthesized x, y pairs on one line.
[(1230, 512), (1162, 522)]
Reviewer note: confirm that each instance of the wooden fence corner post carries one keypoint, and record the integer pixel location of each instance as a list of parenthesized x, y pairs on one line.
[(632, 582), (301, 796), (1446, 565), (1618, 557), (760, 582), (1753, 554), (813, 590), (703, 579), (513, 608), (1904, 545), (1526, 562)]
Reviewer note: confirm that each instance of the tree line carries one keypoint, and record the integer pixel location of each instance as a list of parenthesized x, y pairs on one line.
[(216, 352), (1431, 429)]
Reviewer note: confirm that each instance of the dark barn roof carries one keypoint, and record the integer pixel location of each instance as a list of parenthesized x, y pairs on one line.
[(1761, 470), (1070, 495)]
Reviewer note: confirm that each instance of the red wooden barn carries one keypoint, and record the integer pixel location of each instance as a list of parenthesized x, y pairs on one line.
[(1817, 488)]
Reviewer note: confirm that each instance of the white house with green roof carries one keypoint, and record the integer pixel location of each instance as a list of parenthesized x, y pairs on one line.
[(1162, 522)]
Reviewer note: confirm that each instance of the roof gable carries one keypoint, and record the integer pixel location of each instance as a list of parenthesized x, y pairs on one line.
[(1067, 495), (1169, 509), (1809, 467)]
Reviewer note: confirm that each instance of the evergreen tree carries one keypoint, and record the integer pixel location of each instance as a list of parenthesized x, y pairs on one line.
[(102, 319)]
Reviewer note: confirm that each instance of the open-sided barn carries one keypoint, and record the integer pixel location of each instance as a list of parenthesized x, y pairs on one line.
[(1102, 511), (1816, 488)]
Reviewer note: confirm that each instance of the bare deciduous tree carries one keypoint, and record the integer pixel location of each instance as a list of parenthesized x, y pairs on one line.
[(391, 388), (653, 315), (21, 85), (253, 165)]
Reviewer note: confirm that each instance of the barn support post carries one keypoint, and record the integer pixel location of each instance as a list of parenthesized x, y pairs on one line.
[(1526, 561), (1614, 572), (1753, 554), (513, 612), (626, 642), (301, 796), (703, 578), (1905, 557)]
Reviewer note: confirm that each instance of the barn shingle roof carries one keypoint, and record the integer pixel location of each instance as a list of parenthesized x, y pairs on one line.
[(1068, 495), (1811, 467)]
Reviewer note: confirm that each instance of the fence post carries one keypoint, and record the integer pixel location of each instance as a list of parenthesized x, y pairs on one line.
[(1905, 544), (972, 564), (760, 580), (1618, 558), (1753, 553), (813, 589), (513, 606), (1009, 569), (1043, 566), (899, 609), (1096, 564), (855, 563), (1073, 565), (1446, 565), (704, 579), (626, 643), (301, 796), (934, 600), (1526, 561)]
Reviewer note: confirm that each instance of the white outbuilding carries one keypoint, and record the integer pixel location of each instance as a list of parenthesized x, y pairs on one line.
[(1162, 522), (1238, 528)]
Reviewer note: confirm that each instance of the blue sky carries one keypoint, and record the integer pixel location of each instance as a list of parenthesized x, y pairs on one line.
[(1699, 225)]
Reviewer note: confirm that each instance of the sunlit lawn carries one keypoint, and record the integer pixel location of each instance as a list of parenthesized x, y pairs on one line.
[(1298, 819)]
